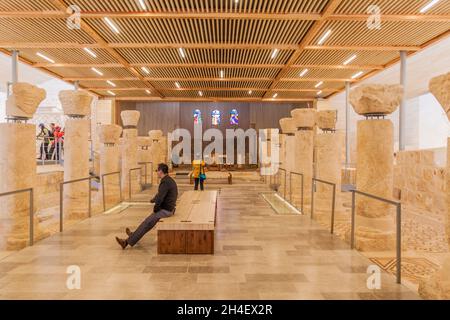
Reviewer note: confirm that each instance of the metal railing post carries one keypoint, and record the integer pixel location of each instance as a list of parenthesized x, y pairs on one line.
[(290, 187), (119, 173), (399, 243), (312, 198), (352, 236), (333, 208), (31, 216), (61, 206), (89, 195), (285, 185)]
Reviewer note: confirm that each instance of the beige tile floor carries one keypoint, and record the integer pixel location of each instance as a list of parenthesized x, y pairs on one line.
[(258, 255)]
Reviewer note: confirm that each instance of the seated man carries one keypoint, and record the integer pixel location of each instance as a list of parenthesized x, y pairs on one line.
[(164, 201)]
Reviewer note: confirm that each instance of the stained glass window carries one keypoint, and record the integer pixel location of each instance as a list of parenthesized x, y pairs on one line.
[(234, 117), (197, 116), (215, 117)]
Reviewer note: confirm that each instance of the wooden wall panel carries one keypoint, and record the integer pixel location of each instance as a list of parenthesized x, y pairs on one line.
[(158, 116)]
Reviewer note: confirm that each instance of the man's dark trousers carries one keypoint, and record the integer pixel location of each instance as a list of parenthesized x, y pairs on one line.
[(148, 225)]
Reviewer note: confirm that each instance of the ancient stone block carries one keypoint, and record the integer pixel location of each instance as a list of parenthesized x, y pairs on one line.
[(24, 100), (130, 118), (304, 117), (75, 103), (288, 125), (440, 88), (376, 98), (326, 119)]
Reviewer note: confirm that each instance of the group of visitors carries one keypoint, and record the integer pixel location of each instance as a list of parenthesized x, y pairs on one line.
[(52, 142)]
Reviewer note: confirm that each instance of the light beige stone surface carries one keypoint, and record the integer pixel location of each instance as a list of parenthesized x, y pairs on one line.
[(76, 166), (155, 134), (75, 103), (304, 152), (17, 172), (328, 167), (109, 133), (326, 119), (144, 156), (130, 117), (304, 117), (440, 88), (109, 162), (288, 125), (375, 222), (376, 98), (24, 100)]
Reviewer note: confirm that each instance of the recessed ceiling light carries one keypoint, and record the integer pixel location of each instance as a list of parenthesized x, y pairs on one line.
[(145, 69), (112, 25), (148, 91), (346, 62), (92, 53), (275, 53), (97, 71), (45, 57), (111, 83), (222, 74), (200, 94), (111, 93), (275, 95), (182, 53), (142, 3), (429, 5), (357, 75), (250, 92), (319, 92), (319, 84), (305, 71), (324, 37), (177, 85)]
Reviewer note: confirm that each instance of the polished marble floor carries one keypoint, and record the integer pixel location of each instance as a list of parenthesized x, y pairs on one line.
[(259, 255)]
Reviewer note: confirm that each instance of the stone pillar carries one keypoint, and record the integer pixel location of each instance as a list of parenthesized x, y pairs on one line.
[(328, 159), (144, 156), (156, 151), (110, 162), (287, 157), (438, 285), (129, 148), (304, 120), (76, 105), (375, 221), (18, 166)]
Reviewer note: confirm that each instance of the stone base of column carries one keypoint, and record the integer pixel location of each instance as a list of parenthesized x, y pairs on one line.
[(17, 172), (109, 162), (375, 223), (304, 151)]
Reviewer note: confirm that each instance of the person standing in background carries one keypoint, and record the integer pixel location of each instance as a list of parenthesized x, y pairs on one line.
[(44, 134), (199, 173)]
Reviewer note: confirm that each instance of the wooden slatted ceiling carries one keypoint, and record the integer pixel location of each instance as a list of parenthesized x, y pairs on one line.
[(392, 7), (272, 6), (403, 33), (203, 31), (218, 35)]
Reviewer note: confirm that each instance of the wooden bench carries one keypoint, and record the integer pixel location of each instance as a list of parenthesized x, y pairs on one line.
[(191, 229)]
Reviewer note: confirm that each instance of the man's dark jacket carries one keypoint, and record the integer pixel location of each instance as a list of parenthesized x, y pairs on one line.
[(167, 195)]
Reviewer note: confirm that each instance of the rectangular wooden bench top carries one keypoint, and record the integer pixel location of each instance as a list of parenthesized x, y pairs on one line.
[(196, 210)]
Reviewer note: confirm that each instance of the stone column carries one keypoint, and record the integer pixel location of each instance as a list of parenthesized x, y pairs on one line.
[(18, 166), (155, 150), (129, 148), (110, 162), (144, 155), (328, 160), (304, 120), (375, 221), (76, 105), (287, 157), (266, 145), (438, 285)]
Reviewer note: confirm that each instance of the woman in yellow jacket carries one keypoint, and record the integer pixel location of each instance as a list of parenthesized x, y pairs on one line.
[(198, 173)]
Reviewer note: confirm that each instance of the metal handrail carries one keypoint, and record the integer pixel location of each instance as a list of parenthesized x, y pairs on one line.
[(333, 201), (285, 174), (31, 201), (146, 171), (61, 199), (103, 186), (290, 187), (129, 179), (398, 206)]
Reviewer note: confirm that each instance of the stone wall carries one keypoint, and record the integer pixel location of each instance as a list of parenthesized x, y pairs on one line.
[(420, 178)]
